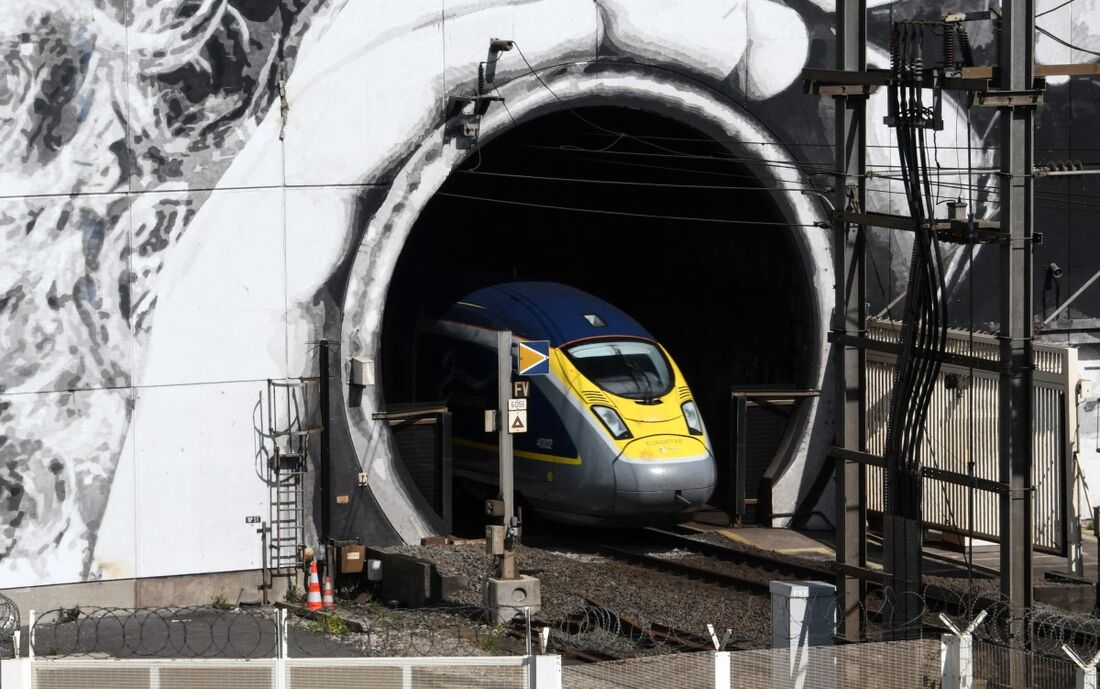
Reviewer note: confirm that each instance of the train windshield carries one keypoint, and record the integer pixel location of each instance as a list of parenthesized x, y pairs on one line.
[(634, 369)]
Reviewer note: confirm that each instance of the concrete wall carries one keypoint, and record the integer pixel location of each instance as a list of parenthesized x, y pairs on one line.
[(151, 592)]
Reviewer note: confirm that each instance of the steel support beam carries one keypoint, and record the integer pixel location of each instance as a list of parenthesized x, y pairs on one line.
[(849, 313), (1015, 422), (324, 368)]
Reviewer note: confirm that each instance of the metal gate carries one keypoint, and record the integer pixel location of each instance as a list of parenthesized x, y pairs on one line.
[(962, 427), (423, 436)]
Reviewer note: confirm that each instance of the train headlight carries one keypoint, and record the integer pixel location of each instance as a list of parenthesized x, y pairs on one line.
[(692, 417), (614, 423)]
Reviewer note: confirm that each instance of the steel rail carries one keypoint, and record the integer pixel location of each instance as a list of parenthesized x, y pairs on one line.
[(741, 556), (678, 568)]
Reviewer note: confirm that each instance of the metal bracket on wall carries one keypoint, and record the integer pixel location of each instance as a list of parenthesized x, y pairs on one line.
[(958, 231), (456, 104), (1030, 98)]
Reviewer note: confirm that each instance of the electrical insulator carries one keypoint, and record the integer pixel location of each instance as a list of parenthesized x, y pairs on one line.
[(965, 48)]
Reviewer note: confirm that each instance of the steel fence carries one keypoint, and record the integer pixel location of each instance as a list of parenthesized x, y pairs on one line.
[(387, 673), (872, 665), (352, 631), (374, 646), (955, 442), (594, 630), (685, 671), (332, 673), (207, 673), (993, 666)]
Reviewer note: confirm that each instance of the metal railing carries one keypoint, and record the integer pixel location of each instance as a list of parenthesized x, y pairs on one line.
[(961, 434)]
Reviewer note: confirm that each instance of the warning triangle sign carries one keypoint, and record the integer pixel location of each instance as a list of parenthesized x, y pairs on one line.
[(517, 421)]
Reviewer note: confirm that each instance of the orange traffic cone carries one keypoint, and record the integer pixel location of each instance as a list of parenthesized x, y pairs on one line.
[(327, 599), (313, 600)]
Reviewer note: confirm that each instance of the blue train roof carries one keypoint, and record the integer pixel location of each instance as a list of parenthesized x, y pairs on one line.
[(544, 311)]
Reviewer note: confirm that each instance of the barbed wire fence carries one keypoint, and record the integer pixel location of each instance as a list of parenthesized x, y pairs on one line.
[(589, 632)]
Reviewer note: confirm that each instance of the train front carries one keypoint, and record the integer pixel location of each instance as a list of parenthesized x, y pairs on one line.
[(646, 418)]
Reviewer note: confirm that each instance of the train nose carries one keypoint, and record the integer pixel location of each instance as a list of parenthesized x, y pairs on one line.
[(663, 475)]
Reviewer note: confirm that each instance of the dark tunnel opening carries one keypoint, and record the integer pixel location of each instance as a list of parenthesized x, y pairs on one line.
[(639, 221)]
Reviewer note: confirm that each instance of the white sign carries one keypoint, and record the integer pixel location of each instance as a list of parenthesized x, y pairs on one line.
[(517, 421), (517, 404)]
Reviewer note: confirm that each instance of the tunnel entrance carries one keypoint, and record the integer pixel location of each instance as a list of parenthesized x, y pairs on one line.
[(663, 223)]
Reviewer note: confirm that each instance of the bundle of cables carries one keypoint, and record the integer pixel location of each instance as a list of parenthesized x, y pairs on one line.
[(924, 324)]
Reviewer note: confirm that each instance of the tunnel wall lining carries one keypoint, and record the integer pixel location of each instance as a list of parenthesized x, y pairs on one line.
[(576, 85)]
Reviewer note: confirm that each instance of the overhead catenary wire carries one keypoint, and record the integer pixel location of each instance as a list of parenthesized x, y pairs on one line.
[(1084, 206), (719, 187), (820, 168), (629, 214), (816, 168), (619, 182), (1064, 42), (605, 132), (892, 176), (786, 143), (1053, 9), (989, 189), (808, 168)]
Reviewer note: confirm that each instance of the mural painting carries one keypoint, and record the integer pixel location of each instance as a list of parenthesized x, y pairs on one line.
[(192, 192)]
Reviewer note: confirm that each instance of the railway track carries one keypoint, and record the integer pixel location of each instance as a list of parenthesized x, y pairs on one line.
[(753, 571), (639, 635), (763, 568), (761, 560)]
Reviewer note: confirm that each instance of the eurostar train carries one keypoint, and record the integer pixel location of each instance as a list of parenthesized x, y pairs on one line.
[(614, 435)]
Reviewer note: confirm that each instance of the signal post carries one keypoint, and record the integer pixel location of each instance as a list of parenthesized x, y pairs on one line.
[(510, 593)]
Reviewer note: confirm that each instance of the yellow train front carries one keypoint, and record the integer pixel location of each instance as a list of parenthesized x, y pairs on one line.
[(614, 438)]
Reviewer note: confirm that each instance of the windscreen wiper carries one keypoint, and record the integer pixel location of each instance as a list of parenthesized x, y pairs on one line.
[(634, 371)]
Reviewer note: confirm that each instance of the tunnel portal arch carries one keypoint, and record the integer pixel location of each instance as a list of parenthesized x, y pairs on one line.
[(528, 98)]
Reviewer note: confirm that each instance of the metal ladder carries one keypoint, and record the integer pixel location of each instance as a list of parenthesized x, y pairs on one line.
[(292, 413)]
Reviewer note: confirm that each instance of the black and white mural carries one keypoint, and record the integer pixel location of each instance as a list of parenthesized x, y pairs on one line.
[(192, 191)]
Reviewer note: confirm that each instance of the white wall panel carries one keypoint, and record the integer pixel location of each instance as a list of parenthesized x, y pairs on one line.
[(260, 163), (197, 478), (60, 262), (58, 126), (356, 100), (319, 230), (197, 88), (710, 39), (220, 313), (60, 483), (548, 32), (777, 48)]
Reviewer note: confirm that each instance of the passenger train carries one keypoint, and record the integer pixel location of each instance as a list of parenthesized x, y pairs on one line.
[(614, 435)]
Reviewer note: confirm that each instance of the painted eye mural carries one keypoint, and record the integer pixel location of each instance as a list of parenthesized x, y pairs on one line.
[(192, 193)]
